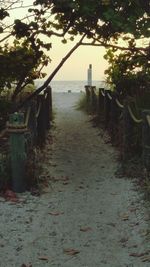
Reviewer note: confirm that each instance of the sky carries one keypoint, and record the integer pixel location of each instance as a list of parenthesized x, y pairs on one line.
[(75, 68)]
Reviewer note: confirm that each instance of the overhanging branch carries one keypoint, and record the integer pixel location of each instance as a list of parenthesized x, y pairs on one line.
[(51, 76), (100, 43)]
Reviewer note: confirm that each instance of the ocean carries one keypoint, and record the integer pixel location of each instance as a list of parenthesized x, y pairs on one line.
[(73, 86)]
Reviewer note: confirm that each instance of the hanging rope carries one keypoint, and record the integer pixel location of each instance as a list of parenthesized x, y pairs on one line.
[(133, 116), (148, 119), (119, 104), (109, 96), (45, 95), (38, 111), (27, 116), (19, 128), (103, 94), (3, 132)]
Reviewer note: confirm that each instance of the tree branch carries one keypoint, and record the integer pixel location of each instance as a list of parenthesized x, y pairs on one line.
[(51, 76), (114, 46)]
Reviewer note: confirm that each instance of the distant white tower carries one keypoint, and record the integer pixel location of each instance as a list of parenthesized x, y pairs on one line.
[(89, 75)]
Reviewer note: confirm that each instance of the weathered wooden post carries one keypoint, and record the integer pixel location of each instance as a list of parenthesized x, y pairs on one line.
[(128, 126), (88, 95), (146, 139), (100, 104), (48, 103), (107, 107), (17, 128), (32, 121), (41, 120), (93, 98), (114, 115)]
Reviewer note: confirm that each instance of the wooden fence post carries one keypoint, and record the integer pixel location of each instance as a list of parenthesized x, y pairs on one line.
[(100, 100), (93, 98), (41, 121), (17, 151), (114, 115), (128, 126), (107, 107), (32, 122), (87, 90), (146, 139), (48, 103)]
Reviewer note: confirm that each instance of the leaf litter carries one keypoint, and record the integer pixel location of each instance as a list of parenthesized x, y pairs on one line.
[(71, 251)]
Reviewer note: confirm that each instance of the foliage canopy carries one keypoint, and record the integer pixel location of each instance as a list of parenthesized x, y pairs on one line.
[(99, 22)]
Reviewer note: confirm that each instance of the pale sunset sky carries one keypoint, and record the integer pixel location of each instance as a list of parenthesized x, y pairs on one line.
[(75, 68)]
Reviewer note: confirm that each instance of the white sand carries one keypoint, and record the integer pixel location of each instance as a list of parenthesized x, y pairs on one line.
[(84, 194)]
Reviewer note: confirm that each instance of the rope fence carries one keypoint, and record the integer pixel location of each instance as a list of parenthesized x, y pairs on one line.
[(118, 103), (38, 110), (27, 129), (134, 130)]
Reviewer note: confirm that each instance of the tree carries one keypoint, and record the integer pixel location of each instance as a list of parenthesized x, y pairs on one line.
[(23, 59), (102, 22), (128, 72)]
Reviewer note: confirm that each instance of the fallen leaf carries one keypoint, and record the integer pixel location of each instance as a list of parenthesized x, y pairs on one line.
[(56, 213), (65, 183), (139, 254), (81, 187), (71, 251), (11, 196), (145, 232), (125, 217), (43, 258), (146, 258), (85, 229)]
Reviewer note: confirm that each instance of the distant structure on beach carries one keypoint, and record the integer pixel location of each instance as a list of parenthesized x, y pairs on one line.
[(89, 75)]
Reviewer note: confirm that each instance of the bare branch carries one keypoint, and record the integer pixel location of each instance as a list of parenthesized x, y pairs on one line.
[(17, 7)]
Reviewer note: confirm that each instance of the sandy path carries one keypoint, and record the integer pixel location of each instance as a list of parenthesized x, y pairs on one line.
[(86, 207)]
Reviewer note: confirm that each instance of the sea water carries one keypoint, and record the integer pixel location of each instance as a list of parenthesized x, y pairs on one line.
[(72, 86)]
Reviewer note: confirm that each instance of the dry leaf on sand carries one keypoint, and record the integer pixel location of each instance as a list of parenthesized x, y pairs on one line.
[(71, 251), (85, 229), (43, 258), (56, 213)]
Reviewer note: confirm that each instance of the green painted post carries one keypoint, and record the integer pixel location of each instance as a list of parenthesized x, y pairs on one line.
[(17, 152)]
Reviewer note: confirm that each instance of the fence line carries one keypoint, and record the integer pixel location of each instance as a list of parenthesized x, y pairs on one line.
[(111, 117), (118, 103), (27, 128)]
